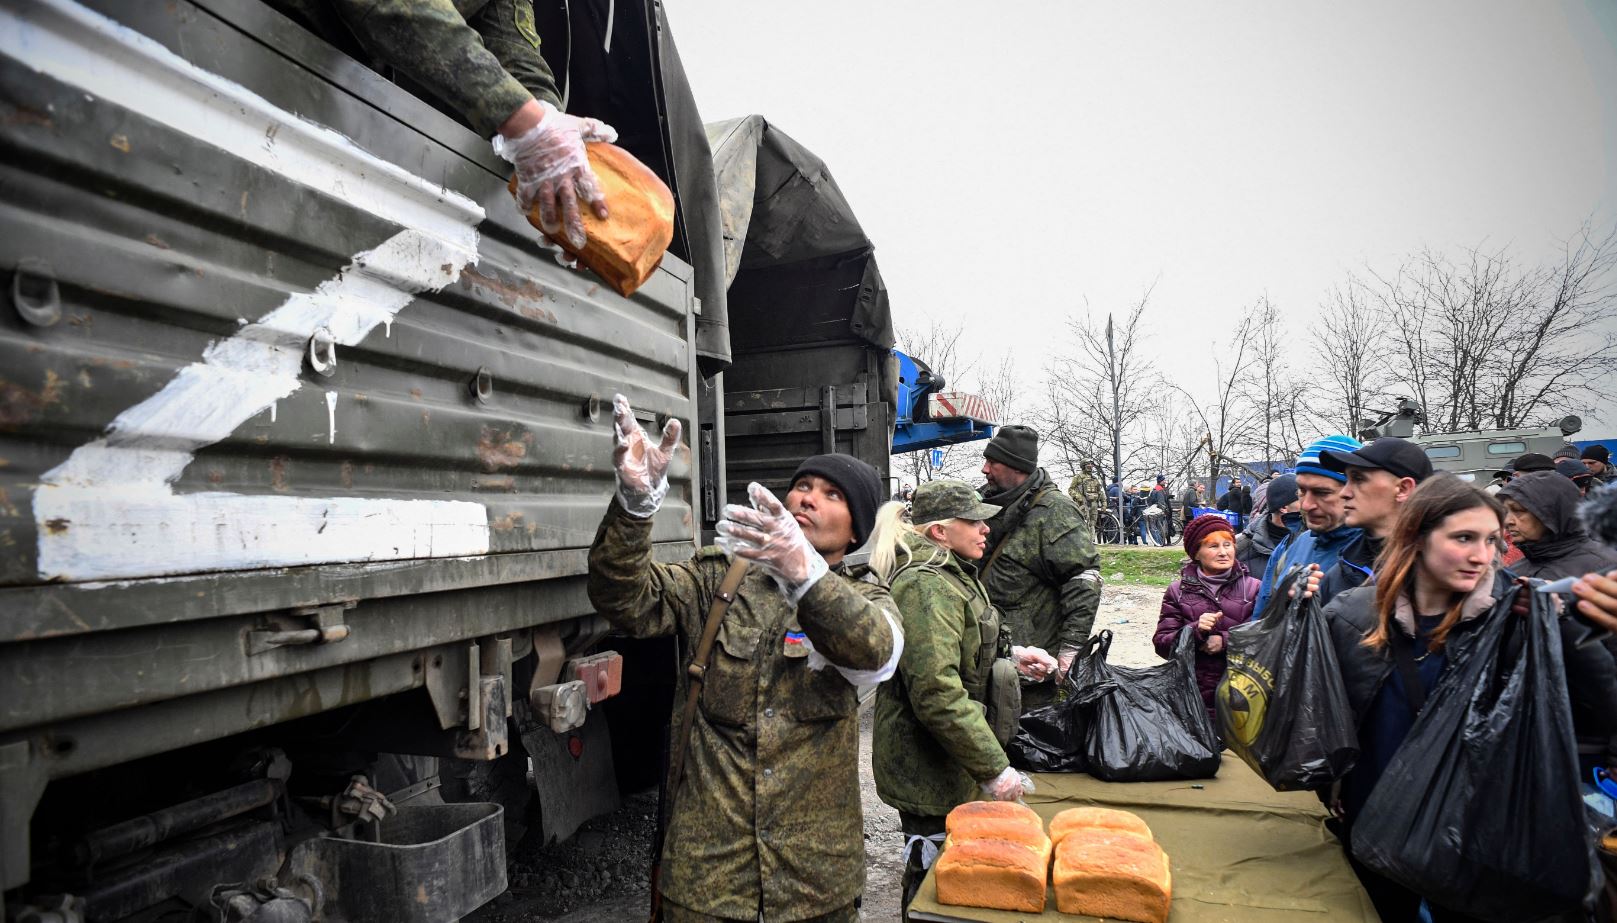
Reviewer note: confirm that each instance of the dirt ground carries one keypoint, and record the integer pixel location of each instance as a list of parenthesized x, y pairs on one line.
[(598, 876)]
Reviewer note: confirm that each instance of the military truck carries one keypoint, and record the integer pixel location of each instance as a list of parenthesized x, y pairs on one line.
[(1475, 454), (303, 439)]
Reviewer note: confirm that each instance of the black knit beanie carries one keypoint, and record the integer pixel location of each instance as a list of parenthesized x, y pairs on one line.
[(1017, 446), (861, 487)]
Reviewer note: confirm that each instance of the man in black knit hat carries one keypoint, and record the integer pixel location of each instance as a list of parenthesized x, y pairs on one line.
[(766, 818), (1040, 567)]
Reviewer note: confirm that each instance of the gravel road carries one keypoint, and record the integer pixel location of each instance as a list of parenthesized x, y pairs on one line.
[(599, 876)]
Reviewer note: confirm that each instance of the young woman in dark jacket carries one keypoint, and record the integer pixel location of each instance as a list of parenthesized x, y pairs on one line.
[(1435, 585), (1215, 593)]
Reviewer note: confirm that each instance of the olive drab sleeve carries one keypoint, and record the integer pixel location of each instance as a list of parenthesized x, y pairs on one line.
[(1075, 566), (851, 623), (637, 595), (930, 666), (480, 72)]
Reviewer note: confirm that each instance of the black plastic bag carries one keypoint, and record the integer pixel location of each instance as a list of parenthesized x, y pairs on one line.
[(1479, 810), (1144, 724), (1304, 737), (1050, 739)]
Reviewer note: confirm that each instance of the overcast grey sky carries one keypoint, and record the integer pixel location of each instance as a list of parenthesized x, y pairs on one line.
[(1011, 160)]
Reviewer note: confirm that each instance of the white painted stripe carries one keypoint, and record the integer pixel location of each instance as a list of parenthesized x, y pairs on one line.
[(87, 50), (109, 511)]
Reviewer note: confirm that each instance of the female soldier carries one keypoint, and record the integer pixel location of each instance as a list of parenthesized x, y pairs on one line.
[(933, 746)]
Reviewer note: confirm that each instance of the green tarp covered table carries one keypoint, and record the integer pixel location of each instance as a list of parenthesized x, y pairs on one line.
[(1239, 851)]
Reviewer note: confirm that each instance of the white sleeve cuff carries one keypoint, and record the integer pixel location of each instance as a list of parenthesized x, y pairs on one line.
[(817, 661)]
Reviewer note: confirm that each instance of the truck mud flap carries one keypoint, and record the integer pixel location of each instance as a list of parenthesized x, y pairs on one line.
[(434, 863), (573, 774)]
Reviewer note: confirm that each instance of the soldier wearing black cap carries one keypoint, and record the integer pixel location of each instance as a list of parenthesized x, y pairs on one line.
[(1598, 460), (766, 818), (1040, 567), (1380, 477)]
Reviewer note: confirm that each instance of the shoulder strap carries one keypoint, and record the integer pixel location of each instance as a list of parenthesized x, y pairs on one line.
[(1403, 655), (697, 669)]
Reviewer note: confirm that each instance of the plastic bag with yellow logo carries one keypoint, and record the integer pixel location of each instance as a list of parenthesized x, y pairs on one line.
[(1304, 738)]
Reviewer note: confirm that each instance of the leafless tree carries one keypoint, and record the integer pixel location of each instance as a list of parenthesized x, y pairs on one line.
[(1226, 415), (1351, 353), (1486, 342), (1100, 389), (1275, 389)]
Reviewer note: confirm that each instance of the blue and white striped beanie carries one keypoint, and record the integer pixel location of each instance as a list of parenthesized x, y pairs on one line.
[(1309, 462)]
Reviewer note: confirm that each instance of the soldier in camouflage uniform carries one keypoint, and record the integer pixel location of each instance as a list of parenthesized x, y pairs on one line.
[(934, 744), (481, 57), (1042, 569), (1087, 493), (767, 818)]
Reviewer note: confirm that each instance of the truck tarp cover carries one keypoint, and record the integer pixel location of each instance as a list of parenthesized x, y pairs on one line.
[(786, 222)]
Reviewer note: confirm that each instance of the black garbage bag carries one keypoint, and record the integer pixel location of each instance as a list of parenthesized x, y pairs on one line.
[(1304, 737), (1050, 739), (1144, 724), (1479, 810)]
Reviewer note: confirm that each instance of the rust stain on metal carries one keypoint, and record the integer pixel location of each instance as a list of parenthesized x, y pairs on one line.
[(523, 297), (506, 483), (502, 449), (22, 115), (57, 526), (278, 472), (19, 405), (361, 397), (415, 393), (345, 473), (121, 142), (81, 320), (157, 242), (6, 506), (215, 476), (507, 522)]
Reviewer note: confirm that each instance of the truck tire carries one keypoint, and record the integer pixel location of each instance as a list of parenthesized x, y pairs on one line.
[(503, 782)]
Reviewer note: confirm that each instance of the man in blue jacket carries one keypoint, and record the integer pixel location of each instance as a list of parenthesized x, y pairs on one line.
[(1319, 493)]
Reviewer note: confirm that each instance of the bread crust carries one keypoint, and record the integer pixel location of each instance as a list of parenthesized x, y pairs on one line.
[(626, 248), (1112, 873), (1108, 818), (994, 873)]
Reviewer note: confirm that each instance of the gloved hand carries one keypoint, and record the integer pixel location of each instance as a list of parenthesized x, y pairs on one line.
[(642, 467), (1009, 785), (552, 170), (769, 536), (1032, 662), (1065, 657)]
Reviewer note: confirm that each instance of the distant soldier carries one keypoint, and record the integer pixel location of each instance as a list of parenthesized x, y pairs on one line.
[(1087, 493), (1040, 567)]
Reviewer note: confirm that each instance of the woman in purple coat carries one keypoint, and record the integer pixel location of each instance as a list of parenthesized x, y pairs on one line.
[(1214, 592)]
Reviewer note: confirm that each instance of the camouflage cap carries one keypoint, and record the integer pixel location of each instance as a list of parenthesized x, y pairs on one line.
[(936, 501)]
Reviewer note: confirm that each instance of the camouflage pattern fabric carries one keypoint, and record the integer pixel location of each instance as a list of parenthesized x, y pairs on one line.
[(1088, 495), (1045, 572), (931, 745), (767, 815), (479, 56)]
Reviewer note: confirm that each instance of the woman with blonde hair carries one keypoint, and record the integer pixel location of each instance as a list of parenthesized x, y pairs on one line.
[(942, 721)]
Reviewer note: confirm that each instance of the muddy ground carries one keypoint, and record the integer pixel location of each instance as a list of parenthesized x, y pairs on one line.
[(599, 875)]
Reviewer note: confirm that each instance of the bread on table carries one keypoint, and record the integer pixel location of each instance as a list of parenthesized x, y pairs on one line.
[(1108, 818), (623, 250), (993, 873), (1007, 820), (1107, 872)]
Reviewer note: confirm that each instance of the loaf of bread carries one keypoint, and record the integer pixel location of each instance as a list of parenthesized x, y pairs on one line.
[(623, 250), (1006, 820), (1075, 818), (1117, 874), (994, 873)]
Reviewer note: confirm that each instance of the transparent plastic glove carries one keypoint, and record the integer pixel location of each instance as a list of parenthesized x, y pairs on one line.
[(1065, 657), (767, 535), (642, 467), (1032, 662), (1009, 785), (553, 171)]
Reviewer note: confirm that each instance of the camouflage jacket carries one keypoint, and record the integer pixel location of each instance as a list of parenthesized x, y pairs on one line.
[(1042, 569), (767, 814), (481, 57), (931, 745), (1087, 495)]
